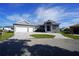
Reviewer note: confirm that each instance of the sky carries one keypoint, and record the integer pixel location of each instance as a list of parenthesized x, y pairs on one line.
[(37, 13)]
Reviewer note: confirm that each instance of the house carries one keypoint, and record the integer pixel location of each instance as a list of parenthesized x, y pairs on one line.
[(1, 28), (8, 28), (75, 29), (25, 26), (49, 26)]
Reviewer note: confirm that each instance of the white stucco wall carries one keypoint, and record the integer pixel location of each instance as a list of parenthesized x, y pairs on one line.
[(30, 29), (7, 29), (18, 28)]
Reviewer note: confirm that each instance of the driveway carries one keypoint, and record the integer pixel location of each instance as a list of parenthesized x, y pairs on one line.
[(25, 36), (59, 41), (24, 44), (21, 36)]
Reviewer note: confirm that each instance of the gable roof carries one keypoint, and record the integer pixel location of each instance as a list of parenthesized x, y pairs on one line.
[(23, 22), (53, 22)]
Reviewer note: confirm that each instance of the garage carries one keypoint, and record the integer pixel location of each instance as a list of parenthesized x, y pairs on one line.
[(30, 29), (20, 29), (23, 26)]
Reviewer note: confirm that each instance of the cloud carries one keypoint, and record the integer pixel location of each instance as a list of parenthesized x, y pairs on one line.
[(57, 14), (17, 17), (43, 14), (71, 14), (70, 23)]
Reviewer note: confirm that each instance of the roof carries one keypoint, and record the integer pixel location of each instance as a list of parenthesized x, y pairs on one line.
[(53, 22), (76, 25), (23, 22)]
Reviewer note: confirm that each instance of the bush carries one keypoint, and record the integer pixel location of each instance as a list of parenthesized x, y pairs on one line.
[(67, 31), (9, 31)]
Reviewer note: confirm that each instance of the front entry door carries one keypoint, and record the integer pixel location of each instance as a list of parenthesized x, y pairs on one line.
[(48, 28)]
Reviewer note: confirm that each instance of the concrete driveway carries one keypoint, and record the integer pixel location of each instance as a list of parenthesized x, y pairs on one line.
[(59, 40), (21, 36), (24, 36)]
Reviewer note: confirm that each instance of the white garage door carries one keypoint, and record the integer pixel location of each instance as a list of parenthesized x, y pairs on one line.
[(30, 29), (20, 29)]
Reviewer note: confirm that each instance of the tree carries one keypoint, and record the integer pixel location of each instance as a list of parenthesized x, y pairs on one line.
[(67, 31)]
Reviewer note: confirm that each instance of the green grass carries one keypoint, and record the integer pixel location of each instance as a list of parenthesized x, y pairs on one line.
[(5, 36), (73, 36), (42, 36)]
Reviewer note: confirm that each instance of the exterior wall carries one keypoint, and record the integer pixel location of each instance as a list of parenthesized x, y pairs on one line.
[(54, 29), (30, 29), (19, 28), (7, 28), (74, 30), (25, 28)]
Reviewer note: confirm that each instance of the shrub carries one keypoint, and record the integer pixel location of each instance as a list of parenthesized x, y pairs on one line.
[(67, 31)]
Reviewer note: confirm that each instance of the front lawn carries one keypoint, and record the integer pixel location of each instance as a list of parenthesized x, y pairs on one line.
[(42, 36), (73, 36), (5, 36)]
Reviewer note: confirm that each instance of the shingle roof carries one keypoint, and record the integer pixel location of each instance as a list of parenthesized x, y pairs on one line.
[(23, 22), (53, 22)]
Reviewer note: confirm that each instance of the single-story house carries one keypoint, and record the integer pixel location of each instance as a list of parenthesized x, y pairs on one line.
[(49, 26), (25, 26), (8, 28), (75, 29)]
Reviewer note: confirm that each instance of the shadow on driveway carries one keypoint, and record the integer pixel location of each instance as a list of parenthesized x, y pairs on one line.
[(15, 47), (46, 50)]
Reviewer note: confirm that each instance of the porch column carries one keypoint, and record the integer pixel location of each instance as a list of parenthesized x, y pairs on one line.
[(51, 28), (45, 28)]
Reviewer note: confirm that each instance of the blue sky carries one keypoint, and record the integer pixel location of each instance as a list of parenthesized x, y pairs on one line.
[(37, 13)]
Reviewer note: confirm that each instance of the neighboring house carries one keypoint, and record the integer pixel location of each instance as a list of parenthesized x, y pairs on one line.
[(75, 29), (8, 28), (25, 26), (1, 28)]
